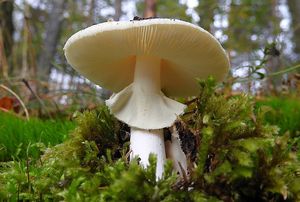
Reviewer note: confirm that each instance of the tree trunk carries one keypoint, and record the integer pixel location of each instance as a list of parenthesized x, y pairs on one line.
[(6, 23), (3, 59), (52, 33), (206, 12), (274, 62), (92, 12), (294, 7), (150, 8), (6, 32), (118, 10)]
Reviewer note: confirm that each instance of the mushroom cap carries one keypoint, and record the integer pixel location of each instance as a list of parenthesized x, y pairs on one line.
[(105, 53)]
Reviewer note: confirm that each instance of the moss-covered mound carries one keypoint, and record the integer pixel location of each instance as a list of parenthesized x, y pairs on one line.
[(233, 157)]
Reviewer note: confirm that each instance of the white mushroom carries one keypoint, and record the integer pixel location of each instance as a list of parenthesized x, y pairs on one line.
[(174, 152), (142, 62)]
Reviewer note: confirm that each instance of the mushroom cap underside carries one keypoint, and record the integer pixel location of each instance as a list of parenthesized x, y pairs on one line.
[(106, 53)]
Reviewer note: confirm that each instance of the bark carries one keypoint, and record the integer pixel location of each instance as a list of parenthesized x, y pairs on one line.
[(274, 63), (206, 12), (92, 12), (3, 59), (24, 71), (6, 35), (53, 28), (150, 8), (294, 7), (118, 10), (6, 24)]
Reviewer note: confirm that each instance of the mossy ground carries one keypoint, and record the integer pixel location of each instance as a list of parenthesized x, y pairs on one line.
[(233, 156)]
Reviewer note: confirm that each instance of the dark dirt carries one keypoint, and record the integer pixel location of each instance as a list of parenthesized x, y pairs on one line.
[(188, 140)]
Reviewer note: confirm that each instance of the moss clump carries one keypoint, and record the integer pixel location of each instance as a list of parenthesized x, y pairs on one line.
[(239, 158), (233, 157)]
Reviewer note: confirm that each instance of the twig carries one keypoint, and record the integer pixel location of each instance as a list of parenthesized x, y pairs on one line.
[(293, 68), (28, 173), (5, 110), (127, 155), (190, 101), (285, 70), (37, 97), (18, 98), (184, 174)]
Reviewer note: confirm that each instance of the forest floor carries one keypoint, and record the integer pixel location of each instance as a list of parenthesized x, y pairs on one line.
[(20, 138)]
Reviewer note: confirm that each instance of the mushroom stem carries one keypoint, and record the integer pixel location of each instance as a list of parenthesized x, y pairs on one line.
[(147, 74), (146, 110), (142, 104), (146, 142)]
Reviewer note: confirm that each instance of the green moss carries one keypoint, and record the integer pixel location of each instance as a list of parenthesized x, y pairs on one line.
[(238, 158)]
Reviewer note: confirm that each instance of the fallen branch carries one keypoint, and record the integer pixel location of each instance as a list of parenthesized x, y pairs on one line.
[(37, 97), (18, 98)]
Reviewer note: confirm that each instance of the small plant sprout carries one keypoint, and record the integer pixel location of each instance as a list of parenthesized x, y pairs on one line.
[(143, 62)]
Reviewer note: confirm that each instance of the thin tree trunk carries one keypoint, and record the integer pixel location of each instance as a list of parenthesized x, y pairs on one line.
[(6, 23), (118, 10), (92, 12), (52, 33), (25, 43), (150, 8), (3, 59), (274, 62), (206, 12), (294, 7), (6, 32)]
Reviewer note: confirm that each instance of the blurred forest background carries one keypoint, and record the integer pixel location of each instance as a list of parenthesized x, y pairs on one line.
[(261, 37)]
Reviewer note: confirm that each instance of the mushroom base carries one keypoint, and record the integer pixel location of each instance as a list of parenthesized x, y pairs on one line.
[(175, 153), (146, 142)]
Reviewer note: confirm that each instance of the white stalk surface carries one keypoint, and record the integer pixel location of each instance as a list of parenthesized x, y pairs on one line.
[(142, 104), (145, 142), (146, 110), (176, 154)]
